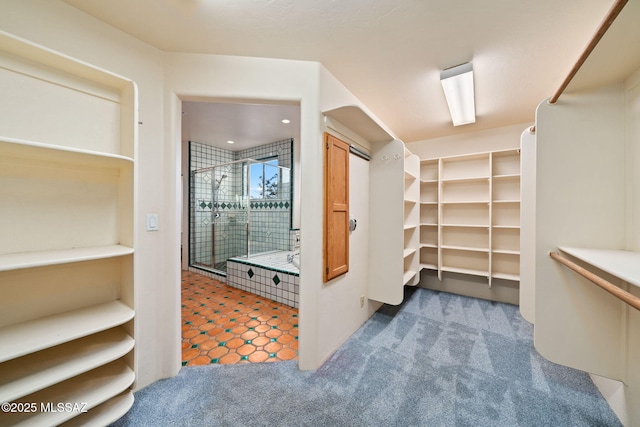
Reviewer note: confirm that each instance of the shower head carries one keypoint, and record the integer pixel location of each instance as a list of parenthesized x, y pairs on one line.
[(221, 178)]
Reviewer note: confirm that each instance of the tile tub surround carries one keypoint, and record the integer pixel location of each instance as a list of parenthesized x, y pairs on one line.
[(223, 325), (268, 275)]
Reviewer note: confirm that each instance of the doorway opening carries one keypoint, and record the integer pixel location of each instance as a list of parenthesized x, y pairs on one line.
[(240, 250)]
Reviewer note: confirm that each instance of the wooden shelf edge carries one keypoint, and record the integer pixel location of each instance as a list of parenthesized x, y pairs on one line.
[(42, 369), (62, 256), (428, 266), (90, 389), (39, 334)]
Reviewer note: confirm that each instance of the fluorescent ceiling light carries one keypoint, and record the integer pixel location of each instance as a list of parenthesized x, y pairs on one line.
[(286, 121), (229, 142), (457, 83)]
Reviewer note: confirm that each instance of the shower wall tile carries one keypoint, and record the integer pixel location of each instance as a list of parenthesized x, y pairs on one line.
[(269, 218)]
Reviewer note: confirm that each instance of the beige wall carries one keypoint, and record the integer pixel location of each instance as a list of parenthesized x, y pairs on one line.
[(503, 138)]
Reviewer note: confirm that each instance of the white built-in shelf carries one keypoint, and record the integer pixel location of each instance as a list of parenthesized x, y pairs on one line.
[(409, 252), (620, 263), (34, 150), (512, 227), (466, 179), (428, 224), (429, 245), (506, 201), (465, 271), (504, 276), (408, 276), (62, 256), (411, 201), (39, 334), (429, 266), (470, 202), (509, 176), (429, 181), (505, 251), (409, 176), (36, 371), (410, 226), (465, 248), (466, 225), (429, 203), (105, 413), (91, 388)]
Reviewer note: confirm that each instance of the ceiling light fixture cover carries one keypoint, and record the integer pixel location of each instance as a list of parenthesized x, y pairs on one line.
[(457, 83)]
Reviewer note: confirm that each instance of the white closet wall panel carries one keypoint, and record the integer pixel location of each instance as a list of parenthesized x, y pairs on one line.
[(580, 199)]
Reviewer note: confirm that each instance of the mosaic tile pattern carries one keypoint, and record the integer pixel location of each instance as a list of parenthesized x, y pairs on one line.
[(224, 325)]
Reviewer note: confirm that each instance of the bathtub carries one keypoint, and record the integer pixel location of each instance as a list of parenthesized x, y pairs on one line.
[(271, 275)]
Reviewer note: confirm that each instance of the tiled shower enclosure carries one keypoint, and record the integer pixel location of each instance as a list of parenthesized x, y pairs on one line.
[(239, 207)]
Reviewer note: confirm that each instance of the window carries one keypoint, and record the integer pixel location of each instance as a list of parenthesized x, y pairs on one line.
[(264, 179)]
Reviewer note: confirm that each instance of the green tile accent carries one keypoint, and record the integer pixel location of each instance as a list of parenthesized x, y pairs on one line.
[(247, 342), (244, 358), (273, 339), (194, 346), (222, 344), (274, 327), (214, 360), (276, 279), (274, 317), (184, 363), (272, 355), (227, 330), (187, 323), (203, 332)]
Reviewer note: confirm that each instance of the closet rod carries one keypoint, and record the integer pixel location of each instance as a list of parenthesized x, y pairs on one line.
[(604, 26), (625, 296)]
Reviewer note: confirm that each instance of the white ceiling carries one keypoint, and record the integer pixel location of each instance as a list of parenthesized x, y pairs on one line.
[(247, 125), (389, 53)]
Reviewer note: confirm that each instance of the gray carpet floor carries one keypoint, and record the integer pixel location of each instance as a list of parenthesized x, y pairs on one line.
[(436, 360)]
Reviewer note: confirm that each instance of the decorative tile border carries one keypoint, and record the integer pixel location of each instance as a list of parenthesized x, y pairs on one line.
[(276, 285)]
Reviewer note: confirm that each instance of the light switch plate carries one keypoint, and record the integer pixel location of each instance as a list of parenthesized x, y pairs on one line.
[(152, 222)]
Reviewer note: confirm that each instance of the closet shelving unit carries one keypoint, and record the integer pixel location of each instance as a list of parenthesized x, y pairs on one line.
[(470, 214), (411, 219), (67, 164), (429, 197)]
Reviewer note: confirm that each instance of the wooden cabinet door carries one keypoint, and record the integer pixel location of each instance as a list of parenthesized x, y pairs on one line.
[(336, 207)]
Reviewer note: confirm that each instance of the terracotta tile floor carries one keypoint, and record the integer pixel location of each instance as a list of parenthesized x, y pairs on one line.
[(222, 324)]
